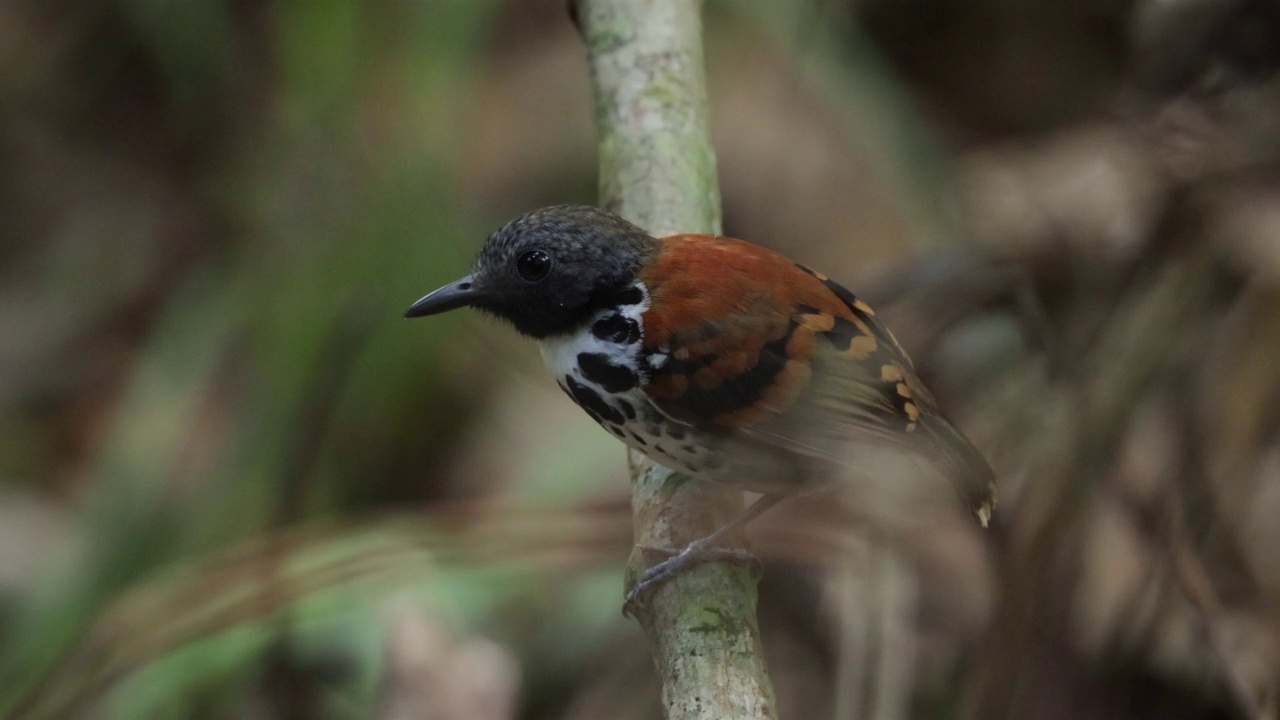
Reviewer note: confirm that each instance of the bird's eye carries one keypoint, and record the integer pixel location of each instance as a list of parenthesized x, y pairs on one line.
[(534, 265)]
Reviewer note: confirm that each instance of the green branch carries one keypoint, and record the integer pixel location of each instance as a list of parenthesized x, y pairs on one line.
[(657, 169)]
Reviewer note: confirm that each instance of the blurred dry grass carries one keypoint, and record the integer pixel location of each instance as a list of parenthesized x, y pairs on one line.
[(233, 484)]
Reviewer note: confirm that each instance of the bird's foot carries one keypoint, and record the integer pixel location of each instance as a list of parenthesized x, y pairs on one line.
[(698, 551)]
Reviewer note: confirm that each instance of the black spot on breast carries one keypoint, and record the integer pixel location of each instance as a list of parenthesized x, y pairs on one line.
[(613, 378), (591, 401), (675, 432), (617, 328), (690, 448), (639, 439), (659, 448), (617, 431)]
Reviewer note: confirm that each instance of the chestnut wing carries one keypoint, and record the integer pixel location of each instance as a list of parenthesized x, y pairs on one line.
[(780, 354)]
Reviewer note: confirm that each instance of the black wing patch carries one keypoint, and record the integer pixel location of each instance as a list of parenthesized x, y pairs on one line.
[(862, 311), (714, 387)]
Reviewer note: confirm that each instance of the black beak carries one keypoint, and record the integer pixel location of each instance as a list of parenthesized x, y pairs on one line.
[(459, 293)]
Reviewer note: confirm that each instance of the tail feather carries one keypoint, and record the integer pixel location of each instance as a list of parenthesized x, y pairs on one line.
[(964, 465)]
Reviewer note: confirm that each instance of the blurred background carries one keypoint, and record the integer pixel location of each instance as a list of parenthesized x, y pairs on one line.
[(234, 483)]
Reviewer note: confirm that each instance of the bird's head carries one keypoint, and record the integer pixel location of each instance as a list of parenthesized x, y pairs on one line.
[(549, 271)]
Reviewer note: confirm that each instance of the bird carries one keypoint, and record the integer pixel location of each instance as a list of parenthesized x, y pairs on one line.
[(714, 357)]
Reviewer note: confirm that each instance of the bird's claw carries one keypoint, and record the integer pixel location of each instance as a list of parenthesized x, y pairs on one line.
[(676, 562)]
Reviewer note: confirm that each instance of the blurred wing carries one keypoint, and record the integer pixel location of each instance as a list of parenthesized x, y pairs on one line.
[(783, 355)]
